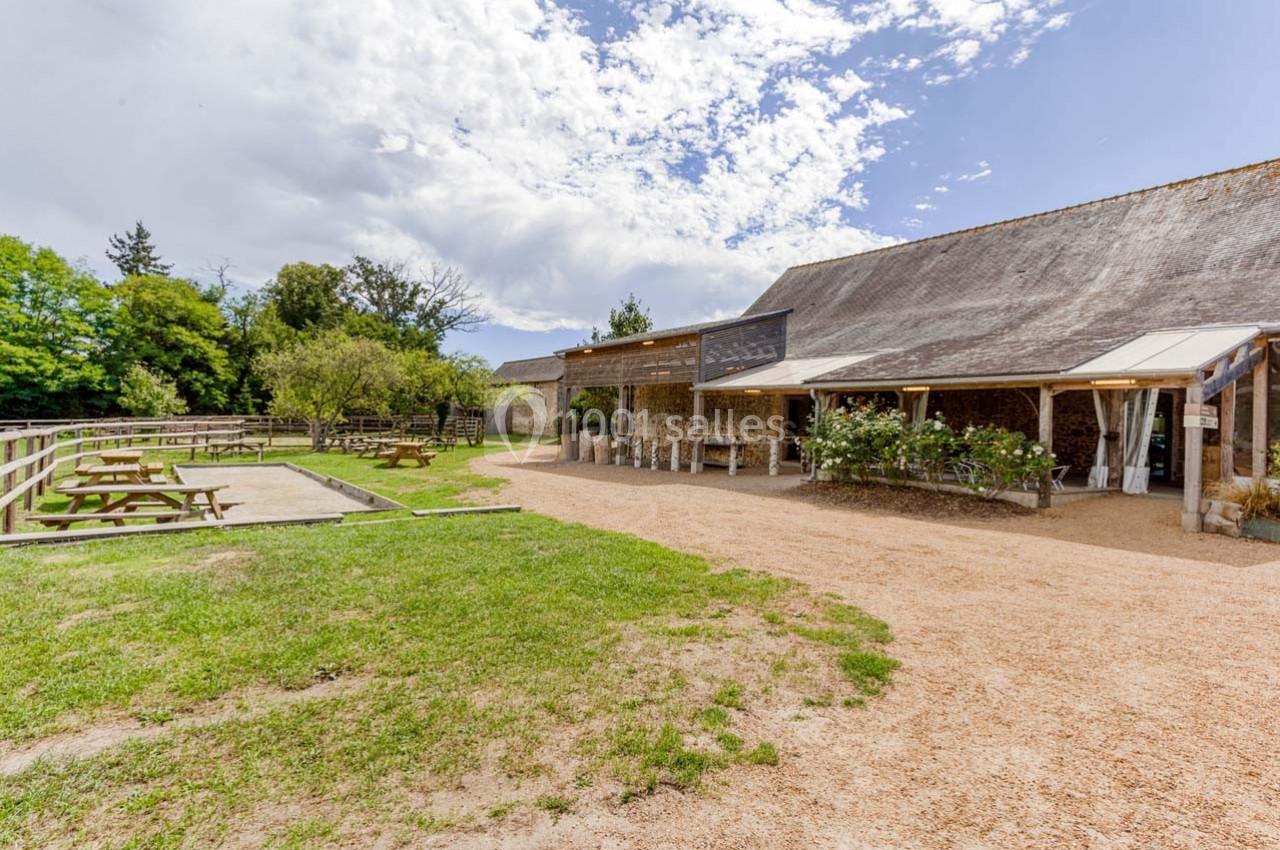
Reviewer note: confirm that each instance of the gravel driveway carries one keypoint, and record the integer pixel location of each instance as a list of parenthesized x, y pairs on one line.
[(1054, 693)]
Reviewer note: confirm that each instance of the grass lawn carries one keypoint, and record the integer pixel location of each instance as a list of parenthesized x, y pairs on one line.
[(299, 687)]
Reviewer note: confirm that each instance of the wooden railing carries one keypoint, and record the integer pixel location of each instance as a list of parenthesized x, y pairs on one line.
[(30, 456)]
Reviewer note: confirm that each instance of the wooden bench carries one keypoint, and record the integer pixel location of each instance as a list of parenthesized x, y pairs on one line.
[(135, 500), (63, 521), (240, 447)]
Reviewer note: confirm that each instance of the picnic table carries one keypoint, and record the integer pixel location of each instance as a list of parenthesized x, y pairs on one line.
[(406, 451), (373, 445), (112, 456), (159, 502), (218, 448)]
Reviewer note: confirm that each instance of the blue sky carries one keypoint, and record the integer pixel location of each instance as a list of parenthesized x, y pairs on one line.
[(1130, 94), (565, 155)]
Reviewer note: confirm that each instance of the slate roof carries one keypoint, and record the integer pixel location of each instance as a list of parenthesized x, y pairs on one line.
[(1045, 293), (682, 330), (535, 370)]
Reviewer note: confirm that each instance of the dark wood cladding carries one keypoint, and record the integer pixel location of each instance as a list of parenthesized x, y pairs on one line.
[(666, 361), (743, 346)]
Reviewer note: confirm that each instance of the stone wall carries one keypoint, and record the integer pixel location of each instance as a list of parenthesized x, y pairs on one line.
[(661, 400), (1075, 425), (520, 416)]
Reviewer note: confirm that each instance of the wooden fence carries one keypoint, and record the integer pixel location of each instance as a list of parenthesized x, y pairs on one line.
[(31, 450), (30, 456)]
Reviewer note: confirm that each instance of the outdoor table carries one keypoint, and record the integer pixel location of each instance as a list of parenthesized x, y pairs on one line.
[(406, 451), (177, 501), (375, 445), (110, 456)]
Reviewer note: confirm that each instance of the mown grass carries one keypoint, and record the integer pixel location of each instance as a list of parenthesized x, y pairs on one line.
[(465, 643)]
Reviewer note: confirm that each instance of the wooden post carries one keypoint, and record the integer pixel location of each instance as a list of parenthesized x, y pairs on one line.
[(1261, 397), (28, 499), (1227, 435), (637, 451), (10, 522), (1046, 440), (653, 454), (1192, 479), (773, 457), (568, 448), (1115, 443), (695, 459), (675, 455), (733, 456)]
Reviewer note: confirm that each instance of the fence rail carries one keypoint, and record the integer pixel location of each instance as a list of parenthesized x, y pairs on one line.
[(31, 454), (31, 450)]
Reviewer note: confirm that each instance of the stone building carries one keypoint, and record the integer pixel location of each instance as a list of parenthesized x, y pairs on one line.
[(1133, 335), (541, 378)]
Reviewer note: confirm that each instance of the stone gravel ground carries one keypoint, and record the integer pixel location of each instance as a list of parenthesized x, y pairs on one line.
[(1089, 677)]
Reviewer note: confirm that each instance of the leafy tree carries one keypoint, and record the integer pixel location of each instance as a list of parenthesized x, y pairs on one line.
[(322, 378), (308, 296), (52, 324), (430, 382), (417, 310), (144, 393), (624, 320), (134, 254), (178, 330)]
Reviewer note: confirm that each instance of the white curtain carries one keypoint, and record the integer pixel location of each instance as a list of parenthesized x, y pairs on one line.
[(1099, 473), (919, 407), (1139, 419)]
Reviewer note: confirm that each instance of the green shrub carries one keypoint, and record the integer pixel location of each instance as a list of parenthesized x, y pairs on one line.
[(865, 442), (1004, 459)]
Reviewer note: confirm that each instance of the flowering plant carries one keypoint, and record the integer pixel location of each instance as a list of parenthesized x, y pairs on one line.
[(865, 442), (1003, 459)]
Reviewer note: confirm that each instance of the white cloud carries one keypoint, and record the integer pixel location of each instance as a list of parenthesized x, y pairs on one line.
[(688, 157), (983, 172)]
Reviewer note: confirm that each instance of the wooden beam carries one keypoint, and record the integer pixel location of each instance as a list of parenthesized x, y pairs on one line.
[(1046, 440), (1225, 376), (1192, 479), (1227, 434), (1261, 399), (1115, 438), (695, 461)]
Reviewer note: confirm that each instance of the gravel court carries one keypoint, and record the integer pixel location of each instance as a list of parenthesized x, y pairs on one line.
[(1053, 692)]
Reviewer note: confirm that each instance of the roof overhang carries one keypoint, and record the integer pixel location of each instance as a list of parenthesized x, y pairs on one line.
[(790, 373), (1173, 357)]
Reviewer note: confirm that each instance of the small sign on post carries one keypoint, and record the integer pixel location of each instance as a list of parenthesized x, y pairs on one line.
[(1200, 416)]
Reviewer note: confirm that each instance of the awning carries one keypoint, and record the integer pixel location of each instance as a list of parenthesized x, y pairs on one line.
[(785, 374), (1174, 352)]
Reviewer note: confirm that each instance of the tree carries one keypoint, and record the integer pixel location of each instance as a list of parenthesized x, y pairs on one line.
[(322, 378), (144, 393), (180, 332), (134, 254), (429, 382), (52, 324), (307, 296), (419, 310), (624, 320)]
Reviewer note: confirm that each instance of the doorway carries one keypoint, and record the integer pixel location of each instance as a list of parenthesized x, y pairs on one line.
[(1160, 451), (799, 410)]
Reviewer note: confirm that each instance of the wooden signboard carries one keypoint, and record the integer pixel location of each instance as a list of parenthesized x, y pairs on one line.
[(1199, 416)]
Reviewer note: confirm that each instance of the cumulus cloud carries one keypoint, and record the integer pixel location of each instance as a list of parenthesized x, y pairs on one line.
[(687, 156)]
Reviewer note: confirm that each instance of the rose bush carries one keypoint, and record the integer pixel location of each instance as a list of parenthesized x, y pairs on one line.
[(865, 442)]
